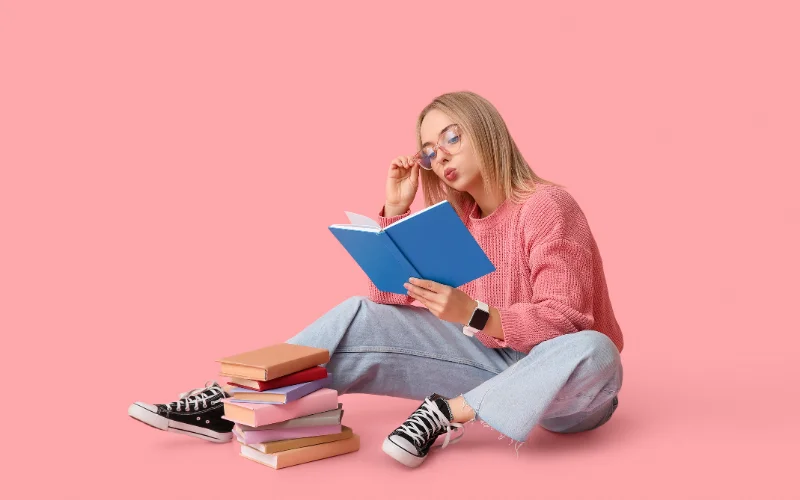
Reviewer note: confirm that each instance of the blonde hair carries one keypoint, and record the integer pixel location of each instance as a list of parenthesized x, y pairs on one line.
[(501, 164)]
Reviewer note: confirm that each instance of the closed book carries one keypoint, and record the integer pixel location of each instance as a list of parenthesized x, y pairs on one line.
[(272, 435), (280, 395), (290, 444), (258, 414), (432, 244), (307, 375), (272, 362), (297, 456), (324, 418)]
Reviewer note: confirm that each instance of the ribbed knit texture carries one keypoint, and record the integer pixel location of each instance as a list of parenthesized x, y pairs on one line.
[(549, 278)]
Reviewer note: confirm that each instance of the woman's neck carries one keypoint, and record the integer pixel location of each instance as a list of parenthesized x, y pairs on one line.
[(487, 202)]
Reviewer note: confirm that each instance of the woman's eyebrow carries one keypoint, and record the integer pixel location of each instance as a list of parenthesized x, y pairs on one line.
[(437, 136)]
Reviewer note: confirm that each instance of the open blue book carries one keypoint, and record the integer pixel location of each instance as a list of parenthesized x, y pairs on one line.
[(432, 244)]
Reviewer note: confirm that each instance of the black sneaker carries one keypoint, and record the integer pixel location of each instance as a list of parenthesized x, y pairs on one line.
[(410, 443), (196, 413)]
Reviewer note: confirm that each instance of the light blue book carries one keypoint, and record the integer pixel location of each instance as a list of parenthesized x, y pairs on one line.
[(279, 395), (432, 244)]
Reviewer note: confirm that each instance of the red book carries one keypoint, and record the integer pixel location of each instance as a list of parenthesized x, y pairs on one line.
[(307, 375)]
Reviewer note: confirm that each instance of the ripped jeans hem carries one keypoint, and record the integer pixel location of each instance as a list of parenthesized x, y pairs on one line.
[(518, 443)]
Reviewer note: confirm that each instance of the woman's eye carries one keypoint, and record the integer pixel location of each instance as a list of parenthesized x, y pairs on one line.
[(452, 138)]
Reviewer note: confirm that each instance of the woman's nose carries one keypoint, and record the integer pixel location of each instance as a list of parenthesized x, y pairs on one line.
[(441, 157)]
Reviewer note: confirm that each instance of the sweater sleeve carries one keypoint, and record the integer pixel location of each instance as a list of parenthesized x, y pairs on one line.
[(561, 302), (376, 295)]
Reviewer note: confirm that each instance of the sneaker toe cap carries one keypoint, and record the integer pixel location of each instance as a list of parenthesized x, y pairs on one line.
[(148, 407), (403, 443)]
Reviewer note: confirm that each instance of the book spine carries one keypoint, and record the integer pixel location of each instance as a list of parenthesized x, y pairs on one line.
[(307, 454), (254, 437), (307, 375), (394, 251), (318, 401)]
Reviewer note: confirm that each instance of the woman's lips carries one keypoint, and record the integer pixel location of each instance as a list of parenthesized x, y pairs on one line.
[(450, 174)]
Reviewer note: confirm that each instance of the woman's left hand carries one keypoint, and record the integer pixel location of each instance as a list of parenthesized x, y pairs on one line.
[(445, 302)]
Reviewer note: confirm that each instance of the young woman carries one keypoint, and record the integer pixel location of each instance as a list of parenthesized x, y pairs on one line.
[(534, 342)]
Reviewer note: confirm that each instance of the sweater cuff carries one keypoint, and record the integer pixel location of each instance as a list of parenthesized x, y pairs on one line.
[(514, 336), (490, 341), (385, 221)]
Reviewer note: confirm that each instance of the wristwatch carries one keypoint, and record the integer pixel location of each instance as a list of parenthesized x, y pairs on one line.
[(478, 320)]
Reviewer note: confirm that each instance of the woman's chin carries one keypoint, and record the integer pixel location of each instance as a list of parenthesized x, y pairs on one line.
[(454, 185), (458, 184)]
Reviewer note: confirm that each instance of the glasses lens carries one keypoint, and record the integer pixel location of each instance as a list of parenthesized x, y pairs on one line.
[(426, 157), (451, 139)]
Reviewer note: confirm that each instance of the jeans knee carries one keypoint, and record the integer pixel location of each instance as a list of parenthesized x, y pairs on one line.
[(356, 301), (600, 351)]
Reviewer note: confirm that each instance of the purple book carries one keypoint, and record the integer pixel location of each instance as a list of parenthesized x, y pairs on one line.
[(266, 436), (279, 395)]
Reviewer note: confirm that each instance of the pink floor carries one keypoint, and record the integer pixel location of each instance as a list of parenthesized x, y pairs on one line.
[(661, 443), (169, 169)]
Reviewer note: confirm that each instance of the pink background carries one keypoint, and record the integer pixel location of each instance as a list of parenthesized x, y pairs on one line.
[(169, 170)]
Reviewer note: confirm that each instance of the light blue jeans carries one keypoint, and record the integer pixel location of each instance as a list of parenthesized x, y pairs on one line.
[(566, 384)]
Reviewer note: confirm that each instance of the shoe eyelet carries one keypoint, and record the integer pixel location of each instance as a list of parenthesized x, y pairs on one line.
[(208, 421), (198, 418)]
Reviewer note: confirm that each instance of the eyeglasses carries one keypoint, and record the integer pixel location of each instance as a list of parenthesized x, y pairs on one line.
[(449, 142)]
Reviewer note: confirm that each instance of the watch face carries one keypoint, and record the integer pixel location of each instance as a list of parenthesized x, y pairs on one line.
[(479, 319)]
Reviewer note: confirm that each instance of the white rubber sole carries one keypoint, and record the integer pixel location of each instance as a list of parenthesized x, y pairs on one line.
[(400, 454), (141, 413)]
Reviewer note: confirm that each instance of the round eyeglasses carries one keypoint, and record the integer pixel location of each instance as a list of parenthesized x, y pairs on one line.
[(449, 142)]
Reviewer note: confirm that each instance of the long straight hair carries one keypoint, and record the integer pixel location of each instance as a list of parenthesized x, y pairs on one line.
[(501, 164)]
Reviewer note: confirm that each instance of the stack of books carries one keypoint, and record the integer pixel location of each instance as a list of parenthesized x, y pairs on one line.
[(284, 411)]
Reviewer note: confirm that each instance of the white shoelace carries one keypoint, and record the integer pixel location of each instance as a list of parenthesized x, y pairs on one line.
[(431, 413), (196, 397)]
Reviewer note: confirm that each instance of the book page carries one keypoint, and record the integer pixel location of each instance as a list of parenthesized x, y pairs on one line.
[(361, 220)]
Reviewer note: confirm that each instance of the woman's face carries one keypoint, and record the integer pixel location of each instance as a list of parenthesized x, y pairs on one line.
[(458, 170)]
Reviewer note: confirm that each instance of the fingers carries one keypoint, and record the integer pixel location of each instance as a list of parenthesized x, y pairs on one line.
[(429, 305), (427, 284), (419, 293), (404, 162)]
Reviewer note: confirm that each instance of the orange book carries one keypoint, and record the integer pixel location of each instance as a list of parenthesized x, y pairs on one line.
[(303, 455), (272, 362)]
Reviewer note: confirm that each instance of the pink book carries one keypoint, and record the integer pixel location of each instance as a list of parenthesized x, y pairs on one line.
[(258, 414), (268, 435)]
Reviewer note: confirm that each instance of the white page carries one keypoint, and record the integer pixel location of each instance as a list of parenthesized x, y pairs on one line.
[(353, 227), (362, 220)]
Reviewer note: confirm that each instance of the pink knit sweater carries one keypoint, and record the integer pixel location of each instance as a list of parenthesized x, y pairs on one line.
[(549, 277)]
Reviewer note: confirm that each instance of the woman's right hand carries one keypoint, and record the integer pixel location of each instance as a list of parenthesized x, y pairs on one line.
[(401, 185)]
